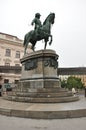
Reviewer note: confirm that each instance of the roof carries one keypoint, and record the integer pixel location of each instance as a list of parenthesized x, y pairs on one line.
[(10, 36), (72, 71)]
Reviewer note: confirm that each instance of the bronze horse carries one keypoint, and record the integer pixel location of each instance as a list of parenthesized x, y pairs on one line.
[(44, 33)]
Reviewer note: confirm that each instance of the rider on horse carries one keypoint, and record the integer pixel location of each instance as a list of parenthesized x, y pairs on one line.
[(37, 23), (40, 32)]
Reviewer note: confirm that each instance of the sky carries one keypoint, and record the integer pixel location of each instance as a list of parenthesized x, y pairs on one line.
[(68, 31)]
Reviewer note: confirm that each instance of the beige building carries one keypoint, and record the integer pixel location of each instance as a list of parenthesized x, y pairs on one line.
[(79, 72), (11, 50)]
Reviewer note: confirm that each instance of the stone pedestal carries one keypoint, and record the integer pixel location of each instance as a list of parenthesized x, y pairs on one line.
[(39, 81), (39, 70)]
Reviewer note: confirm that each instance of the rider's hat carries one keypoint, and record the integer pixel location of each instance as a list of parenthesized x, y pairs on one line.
[(37, 15)]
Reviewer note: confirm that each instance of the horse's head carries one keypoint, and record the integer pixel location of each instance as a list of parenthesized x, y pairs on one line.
[(50, 18)]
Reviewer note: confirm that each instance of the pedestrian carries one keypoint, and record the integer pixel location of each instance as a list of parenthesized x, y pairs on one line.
[(73, 90)]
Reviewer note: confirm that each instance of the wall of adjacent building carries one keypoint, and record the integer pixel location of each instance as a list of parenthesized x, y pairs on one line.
[(11, 51), (13, 44), (79, 72)]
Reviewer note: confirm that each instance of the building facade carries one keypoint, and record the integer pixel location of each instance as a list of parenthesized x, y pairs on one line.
[(11, 51), (79, 72)]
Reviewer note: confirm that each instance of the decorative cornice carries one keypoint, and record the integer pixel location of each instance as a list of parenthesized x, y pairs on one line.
[(39, 54)]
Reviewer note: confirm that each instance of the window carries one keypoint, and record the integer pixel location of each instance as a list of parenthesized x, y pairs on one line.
[(6, 80), (16, 81), (8, 52), (17, 54), (17, 64), (7, 64), (0, 77)]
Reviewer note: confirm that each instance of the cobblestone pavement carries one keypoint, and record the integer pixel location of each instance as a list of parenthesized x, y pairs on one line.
[(13, 123)]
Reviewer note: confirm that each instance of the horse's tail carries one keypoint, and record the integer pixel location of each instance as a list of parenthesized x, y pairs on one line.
[(27, 37), (24, 42)]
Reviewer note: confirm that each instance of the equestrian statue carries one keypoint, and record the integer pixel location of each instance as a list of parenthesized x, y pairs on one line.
[(40, 31)]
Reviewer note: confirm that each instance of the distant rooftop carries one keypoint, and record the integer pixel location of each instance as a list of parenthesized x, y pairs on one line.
[(9, 37), (72, 71)]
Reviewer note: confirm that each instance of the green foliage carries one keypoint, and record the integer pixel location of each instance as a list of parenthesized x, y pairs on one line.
[(72, 82), (63, 84)]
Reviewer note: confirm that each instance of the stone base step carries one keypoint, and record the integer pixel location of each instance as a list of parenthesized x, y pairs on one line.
[(44, 95), (43, 90), (42, 100)]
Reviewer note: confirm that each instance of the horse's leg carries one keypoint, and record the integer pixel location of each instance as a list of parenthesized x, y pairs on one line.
[(26, 45), (50, 40), (33, 45), (25, 48), (45, 44)]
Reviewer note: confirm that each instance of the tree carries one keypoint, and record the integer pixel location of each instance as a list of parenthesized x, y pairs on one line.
[(63, 84), (72, 82)]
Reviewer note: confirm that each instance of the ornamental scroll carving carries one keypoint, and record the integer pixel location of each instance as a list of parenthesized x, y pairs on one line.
[(51, 63), (31, 64)]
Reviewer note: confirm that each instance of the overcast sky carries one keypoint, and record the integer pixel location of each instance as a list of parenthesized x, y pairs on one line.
[(69, 29)]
